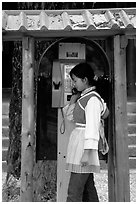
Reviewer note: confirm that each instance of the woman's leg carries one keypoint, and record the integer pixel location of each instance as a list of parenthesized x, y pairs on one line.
[(76, 186), (90, 192)]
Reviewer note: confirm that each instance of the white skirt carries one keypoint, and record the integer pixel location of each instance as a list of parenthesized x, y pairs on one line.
[(75, 151)]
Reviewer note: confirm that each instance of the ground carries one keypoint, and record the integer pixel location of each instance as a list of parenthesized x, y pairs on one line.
[(101, 182)]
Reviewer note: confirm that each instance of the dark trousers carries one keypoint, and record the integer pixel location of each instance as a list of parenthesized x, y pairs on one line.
[(82, 188)]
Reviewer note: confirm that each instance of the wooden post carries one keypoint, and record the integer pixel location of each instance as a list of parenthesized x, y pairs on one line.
[(120, 157), (111, 123), (27, 140), (62, 175)]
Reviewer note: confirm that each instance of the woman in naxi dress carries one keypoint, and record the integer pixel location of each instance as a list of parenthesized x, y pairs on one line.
[(86, 109)]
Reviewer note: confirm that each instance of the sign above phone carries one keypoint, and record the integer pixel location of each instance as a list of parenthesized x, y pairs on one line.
[(72, 51)]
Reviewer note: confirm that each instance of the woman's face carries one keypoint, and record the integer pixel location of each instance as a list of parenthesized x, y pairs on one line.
[(79, 84)]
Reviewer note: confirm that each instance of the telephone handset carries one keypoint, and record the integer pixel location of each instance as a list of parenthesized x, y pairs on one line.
[(61, 83), (75, 91)]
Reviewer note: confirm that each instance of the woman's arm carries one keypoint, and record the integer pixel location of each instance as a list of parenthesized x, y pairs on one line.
[(68, 109), (93, 117), (91, 137), (74, 98)]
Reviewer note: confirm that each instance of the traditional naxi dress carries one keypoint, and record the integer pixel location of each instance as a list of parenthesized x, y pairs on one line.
[(86, 114)]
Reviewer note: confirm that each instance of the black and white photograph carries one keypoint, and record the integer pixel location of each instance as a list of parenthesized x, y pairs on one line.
[(68, 101)]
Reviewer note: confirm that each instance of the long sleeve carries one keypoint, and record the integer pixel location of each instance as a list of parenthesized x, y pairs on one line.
[(93, 115), (68, 111)]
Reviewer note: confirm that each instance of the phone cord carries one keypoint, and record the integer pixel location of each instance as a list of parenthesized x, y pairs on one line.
[(62, 126)]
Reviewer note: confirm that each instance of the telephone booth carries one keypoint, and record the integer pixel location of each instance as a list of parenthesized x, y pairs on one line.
[(99, 37), (54, 92)]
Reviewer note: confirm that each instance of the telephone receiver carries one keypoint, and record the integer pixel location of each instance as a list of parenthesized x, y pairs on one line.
[(75, 91)]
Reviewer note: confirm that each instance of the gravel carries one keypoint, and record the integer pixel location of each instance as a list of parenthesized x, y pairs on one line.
[(101, 182)]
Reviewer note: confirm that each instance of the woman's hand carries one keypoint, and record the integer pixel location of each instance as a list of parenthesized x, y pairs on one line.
[(74, 98), (85, 158)]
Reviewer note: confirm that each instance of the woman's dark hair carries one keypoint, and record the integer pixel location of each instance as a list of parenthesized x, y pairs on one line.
[(83, 70)]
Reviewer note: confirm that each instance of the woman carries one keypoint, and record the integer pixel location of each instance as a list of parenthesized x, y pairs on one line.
[(86, 110)]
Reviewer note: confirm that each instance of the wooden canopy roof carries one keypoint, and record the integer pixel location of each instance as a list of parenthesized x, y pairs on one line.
[(63, 23)]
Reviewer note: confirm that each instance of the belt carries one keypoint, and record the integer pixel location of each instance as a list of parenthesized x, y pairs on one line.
[(81, 125)]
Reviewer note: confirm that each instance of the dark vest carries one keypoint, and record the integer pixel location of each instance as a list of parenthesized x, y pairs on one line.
[(79, 113)]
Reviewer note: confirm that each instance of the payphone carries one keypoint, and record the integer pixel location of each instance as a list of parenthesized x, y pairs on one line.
[(69, 55), (61, 83)]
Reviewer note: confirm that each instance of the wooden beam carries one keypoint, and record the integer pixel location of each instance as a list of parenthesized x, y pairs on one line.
[(95, 34), (27, 137), (120, 157)]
